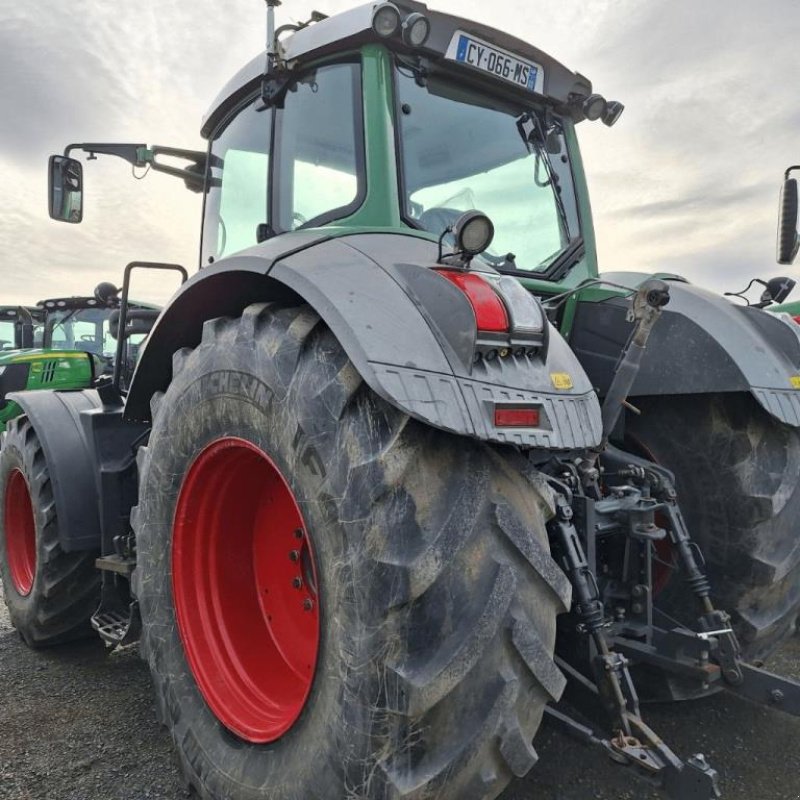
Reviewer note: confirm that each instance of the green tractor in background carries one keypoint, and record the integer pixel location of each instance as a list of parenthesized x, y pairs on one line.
[(69, 343)]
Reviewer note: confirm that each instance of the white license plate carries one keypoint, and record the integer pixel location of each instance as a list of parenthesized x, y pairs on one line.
[(467, 49)]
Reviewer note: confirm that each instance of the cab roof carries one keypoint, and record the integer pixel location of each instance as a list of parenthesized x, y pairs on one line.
[(353, 28)]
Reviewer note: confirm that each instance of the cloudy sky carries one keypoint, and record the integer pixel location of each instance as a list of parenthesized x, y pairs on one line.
[(686, 182)]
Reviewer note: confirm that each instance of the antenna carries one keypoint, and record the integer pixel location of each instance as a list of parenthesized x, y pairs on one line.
[(271, 55)]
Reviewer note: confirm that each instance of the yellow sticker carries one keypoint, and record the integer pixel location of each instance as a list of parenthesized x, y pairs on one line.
[(562, 380), (795, 381)]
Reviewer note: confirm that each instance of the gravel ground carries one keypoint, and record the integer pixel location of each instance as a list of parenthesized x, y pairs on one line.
[(79, 724)]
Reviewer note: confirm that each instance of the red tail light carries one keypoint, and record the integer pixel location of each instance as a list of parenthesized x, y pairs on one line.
[(490, 313), (797, 319), (516, 417)]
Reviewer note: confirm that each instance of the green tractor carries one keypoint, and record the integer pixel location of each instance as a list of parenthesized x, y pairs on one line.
[(70, 343), (395, 478)]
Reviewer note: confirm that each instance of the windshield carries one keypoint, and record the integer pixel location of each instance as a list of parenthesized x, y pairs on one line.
[(85, 329), (462, 150)]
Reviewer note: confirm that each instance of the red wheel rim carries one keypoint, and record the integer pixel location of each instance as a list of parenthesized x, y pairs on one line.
[(245, 590), (20, 531)]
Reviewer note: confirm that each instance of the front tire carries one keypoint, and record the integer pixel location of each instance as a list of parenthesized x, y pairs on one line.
[(435, 592), (50, 594)]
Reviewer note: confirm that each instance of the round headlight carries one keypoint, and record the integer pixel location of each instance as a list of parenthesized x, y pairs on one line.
[(416, 30), (474, 232), (594, 106), (386, 20)]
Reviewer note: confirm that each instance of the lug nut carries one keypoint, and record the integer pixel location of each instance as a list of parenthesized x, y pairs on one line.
[(298, 534), (308, 604), (294, 555), (297, 583)]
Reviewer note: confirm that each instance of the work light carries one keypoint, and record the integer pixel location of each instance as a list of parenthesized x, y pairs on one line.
[(613, 112), (386, 20), (474, 232), (594, 107), (416, 30)]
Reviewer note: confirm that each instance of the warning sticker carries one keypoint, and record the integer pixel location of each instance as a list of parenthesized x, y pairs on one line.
[(795, 381)]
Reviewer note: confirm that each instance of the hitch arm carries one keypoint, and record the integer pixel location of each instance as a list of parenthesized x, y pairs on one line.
[(766, 689), (653, 762)]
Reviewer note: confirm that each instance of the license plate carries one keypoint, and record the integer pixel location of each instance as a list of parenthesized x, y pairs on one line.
[(466, 49)]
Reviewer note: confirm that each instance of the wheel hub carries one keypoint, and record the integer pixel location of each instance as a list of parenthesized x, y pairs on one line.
[(245, 590)]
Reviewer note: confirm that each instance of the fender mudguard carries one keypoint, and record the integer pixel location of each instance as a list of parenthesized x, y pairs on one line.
[(703, 343), (409, 334), (87, 448)]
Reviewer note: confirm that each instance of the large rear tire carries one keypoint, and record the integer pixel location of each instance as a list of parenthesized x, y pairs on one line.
[(433, 588), (51, 594), (737, 471)]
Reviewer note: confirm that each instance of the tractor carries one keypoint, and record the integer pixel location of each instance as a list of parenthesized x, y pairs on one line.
[(398, 473), (71, 342)]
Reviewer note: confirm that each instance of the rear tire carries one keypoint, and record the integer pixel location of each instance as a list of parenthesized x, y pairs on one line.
[(51, 595), (436, 592), (737, 471)]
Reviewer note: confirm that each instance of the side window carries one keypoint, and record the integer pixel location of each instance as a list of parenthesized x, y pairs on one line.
[(237, 198), (7, 334), (320, 175)]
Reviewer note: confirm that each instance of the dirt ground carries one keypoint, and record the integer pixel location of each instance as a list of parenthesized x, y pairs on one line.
[(79, 724)]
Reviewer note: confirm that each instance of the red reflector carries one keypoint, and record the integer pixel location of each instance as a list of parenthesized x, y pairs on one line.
[(516, 417), (797, 319), (490, 313)]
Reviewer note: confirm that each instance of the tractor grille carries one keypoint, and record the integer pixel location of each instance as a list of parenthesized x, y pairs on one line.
[(49, 371)]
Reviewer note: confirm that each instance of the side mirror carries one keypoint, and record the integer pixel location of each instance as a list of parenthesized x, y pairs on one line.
[(788, 239), (65, 185), (777, 290)]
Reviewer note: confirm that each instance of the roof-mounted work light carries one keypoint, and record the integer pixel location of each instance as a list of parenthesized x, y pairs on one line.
[(416, 29), (613, 112), (386, 20), (594, 106)]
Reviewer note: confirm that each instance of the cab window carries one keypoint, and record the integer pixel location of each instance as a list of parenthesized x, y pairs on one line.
[(237, 185), (320, 146), (318, 171)]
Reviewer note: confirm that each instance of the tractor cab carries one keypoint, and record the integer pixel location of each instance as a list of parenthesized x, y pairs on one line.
[(397, 118), (91, 325), (19, 326)]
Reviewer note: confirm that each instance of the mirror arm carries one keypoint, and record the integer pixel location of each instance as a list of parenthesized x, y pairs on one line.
[(789, 170), (133, 153), (140, 155)]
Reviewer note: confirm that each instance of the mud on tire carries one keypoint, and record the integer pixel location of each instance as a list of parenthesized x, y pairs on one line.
[(738, 478), (438, 596), (57, 599)]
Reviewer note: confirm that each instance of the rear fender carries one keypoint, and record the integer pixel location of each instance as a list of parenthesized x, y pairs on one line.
[(702, 344), (409, 334), (90, 456)]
